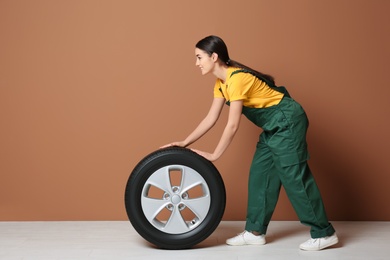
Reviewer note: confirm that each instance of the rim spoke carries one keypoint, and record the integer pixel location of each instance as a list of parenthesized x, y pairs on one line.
[(152, 207), (190, 179), (176, 223), (199, 206), (160, 179)]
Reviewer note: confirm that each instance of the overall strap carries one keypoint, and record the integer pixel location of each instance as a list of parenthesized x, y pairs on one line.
[(280, 89)]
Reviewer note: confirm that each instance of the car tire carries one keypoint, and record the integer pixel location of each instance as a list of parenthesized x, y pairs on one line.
[(175, 198)]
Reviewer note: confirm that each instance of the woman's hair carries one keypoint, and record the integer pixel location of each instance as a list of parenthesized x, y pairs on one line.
[(214, 44)]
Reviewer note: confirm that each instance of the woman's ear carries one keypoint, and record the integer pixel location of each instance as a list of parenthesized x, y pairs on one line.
[(214, 56)]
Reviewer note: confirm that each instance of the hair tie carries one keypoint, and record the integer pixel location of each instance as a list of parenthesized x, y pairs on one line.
[(228, 62)]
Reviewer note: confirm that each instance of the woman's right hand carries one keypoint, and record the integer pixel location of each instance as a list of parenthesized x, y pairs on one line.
[(180, 144)]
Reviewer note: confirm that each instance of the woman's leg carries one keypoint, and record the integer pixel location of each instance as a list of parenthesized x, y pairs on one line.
[(305, 198), (290, 158), (263, 190)]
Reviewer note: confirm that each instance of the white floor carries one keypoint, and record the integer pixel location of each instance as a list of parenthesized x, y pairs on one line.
[(116, 240)]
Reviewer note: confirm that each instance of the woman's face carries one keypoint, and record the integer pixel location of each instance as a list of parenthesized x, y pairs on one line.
[(204, 61)]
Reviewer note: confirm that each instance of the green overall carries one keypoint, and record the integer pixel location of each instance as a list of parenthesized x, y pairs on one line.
[(281, 159)]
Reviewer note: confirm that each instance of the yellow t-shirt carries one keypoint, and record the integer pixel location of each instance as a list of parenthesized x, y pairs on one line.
[(254, 92)]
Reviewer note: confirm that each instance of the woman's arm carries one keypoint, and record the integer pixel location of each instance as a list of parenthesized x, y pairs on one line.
[(229, 132), (205, 125)]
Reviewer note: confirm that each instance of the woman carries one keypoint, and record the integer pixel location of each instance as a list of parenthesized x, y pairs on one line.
[(281, 154)]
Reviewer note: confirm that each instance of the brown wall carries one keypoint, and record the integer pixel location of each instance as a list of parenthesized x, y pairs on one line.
[(88, 88)]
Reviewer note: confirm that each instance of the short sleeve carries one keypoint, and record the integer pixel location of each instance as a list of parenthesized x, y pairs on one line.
[(217, 90)]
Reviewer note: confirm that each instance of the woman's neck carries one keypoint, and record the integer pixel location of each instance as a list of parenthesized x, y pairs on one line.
[(221, 72)]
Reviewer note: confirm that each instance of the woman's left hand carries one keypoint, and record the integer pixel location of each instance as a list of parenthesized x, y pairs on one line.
[(209, 156)]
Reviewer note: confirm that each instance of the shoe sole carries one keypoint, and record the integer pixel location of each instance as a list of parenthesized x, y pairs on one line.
[(246, 244)]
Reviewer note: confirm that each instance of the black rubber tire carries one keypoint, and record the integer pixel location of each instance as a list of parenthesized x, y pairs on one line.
[(163, 158)]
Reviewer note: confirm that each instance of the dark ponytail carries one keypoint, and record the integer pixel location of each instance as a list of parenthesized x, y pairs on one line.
[(214, 44)]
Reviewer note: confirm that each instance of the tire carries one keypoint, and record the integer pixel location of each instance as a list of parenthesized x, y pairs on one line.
[(175, 198)]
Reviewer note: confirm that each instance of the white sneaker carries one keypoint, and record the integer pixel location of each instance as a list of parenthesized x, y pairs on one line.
[(246, 238), (316, 244)]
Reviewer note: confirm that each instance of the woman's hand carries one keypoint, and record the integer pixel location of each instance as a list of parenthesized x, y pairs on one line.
[(209, 156), (181, 144)]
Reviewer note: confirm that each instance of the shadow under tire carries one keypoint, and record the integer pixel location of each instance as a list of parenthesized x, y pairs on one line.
[(175, 198)]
